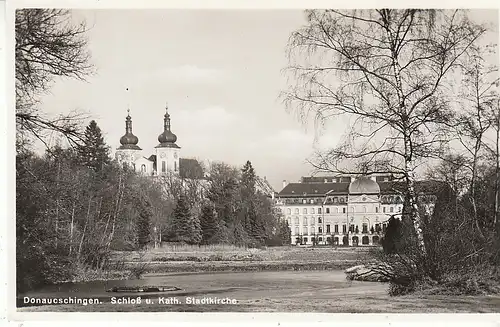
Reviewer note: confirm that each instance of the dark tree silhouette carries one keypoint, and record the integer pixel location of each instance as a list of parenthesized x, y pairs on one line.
[(94, 153), (47, 46)]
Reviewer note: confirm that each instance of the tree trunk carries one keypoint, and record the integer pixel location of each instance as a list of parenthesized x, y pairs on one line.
[(473, 187), (497, 185), (497, 175), (84, 230), (412, 202), (71, 229)]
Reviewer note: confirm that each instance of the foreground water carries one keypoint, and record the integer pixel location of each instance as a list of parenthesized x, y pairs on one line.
[(285, 291)]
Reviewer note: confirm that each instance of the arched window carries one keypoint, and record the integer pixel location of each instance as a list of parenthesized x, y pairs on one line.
[(304, 211), (365, 240), (312, 210), (364, 208), (289, 211), (319, 210), (296, 211), (319, 220), (143, 168), (327, 210), (320, 230)]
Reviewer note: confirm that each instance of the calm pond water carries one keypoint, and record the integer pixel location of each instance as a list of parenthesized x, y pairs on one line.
[(242, 286), (280, 291)]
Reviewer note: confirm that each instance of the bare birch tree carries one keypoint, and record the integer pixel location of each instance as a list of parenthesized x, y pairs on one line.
[(475, 118), (391, 72)]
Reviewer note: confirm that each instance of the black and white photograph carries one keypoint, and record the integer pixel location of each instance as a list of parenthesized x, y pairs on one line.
[(255, 160)]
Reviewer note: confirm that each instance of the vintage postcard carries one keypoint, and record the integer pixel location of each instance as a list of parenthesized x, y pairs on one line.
[(247, 158)]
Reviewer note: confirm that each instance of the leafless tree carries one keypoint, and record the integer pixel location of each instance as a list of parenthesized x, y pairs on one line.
[(48, 45), (479, 97), (390, 72)]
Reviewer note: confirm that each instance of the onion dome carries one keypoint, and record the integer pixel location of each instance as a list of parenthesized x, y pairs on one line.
[(129, 140), (364, 185), (167, 139)]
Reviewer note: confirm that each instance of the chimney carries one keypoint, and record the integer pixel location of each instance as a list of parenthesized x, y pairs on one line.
[(285, 183)]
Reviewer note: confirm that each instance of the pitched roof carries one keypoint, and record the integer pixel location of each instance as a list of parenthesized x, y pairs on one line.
[(429, 186), (319, 189), (313, 189)]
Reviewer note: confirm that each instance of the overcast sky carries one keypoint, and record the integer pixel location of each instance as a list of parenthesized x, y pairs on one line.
[(219, 71)]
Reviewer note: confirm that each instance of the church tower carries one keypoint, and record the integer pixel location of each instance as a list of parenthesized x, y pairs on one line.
[(167, 152), (128, 152)]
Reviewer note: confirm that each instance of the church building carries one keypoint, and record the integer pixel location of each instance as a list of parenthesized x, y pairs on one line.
[(165, 159)]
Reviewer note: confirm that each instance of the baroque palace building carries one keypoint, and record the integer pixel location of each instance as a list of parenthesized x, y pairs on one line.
[(345, 210)]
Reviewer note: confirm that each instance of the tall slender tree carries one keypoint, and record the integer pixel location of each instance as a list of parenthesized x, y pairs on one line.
[(94, 153), (208, 223), (144, 222), (389, 71)]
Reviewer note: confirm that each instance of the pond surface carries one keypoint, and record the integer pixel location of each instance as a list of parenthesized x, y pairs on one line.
[(277, 291), (241, 286)]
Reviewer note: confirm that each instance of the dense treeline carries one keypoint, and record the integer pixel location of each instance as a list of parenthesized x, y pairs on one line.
[(74, 206)]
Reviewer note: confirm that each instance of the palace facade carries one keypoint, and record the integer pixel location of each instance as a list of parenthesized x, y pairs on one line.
[(345, 210)]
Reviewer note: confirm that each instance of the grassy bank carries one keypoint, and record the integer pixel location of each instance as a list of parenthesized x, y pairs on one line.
[(229, 258)]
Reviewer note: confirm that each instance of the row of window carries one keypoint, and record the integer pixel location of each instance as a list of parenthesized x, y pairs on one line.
[(305, 220), (365, 240), (385, 199), (352, 229), (305, 211)]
